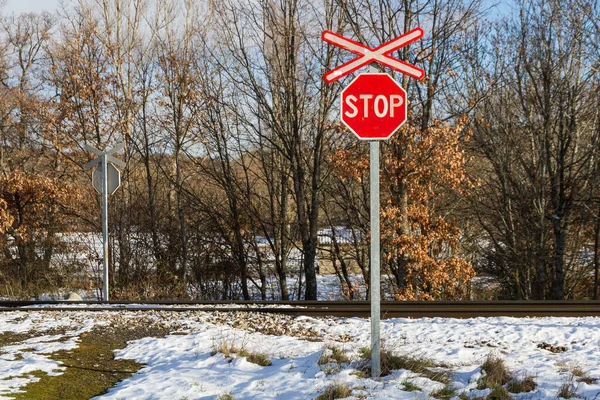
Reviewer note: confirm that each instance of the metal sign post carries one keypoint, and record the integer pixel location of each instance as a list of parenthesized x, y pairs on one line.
[(104, 229), (108, 181), (375, 254)]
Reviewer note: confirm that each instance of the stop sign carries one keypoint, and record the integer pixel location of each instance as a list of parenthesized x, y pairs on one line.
[(373, 106)]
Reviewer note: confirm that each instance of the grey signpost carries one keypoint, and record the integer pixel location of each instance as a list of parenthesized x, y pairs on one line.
[(106, 179), (374, 289)]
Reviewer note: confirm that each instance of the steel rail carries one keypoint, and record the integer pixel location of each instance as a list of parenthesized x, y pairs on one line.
[(451, 309)]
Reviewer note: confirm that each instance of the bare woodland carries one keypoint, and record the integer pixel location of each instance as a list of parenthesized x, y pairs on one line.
[(236, 159)]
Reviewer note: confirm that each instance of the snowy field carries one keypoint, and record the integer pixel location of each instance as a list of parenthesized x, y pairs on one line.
[(188, 362)]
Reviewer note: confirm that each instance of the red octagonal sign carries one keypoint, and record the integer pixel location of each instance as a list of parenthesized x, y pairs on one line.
[(373, 106)]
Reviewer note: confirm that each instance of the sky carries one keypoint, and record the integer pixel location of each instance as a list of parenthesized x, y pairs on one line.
[(21, 6)]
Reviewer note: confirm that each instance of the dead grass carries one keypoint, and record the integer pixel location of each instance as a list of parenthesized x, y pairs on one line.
[(391, 362), (496, 373), (498, 393), (566, 391), (525, 385), (333, 355), (580, 376), (335, 391), (445, 393), (229, 351)]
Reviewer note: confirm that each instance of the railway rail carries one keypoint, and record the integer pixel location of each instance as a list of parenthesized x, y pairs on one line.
[(416, 309)]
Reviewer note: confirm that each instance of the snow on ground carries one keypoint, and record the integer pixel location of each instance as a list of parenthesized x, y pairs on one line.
[(186, 366)]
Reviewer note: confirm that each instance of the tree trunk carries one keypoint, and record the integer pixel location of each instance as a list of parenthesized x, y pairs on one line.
[(181, 217), (400, 270), (559, 257), (596, 253)]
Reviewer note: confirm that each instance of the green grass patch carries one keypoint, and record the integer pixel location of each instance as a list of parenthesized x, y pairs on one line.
[(332, 359), (410, 387), (445, 393), (10, 338), (91, 368)]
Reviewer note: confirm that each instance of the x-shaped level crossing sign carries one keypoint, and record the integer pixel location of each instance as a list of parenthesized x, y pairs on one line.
[(380, 54), (108, 154)]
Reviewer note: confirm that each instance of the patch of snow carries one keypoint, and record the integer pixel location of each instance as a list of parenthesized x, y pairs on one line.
[(187, 367)]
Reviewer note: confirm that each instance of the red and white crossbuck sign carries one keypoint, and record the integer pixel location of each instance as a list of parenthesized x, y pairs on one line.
[(380, 54)]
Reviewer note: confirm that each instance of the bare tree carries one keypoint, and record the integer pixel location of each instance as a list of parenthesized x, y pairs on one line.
[(279, 55), (536, 132)]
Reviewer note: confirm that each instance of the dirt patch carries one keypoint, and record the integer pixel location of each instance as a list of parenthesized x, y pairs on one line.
[(551, 348), (268, 324)]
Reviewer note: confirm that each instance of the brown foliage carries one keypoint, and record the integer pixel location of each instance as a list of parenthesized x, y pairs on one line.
[(421, 167), (33, 209), (429, 165), (5, 218)]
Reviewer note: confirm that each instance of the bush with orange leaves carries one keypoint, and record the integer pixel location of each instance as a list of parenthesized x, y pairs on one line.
[(422, 175)]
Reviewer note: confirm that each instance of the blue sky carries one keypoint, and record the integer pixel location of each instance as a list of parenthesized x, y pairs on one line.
[(20, 6)]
